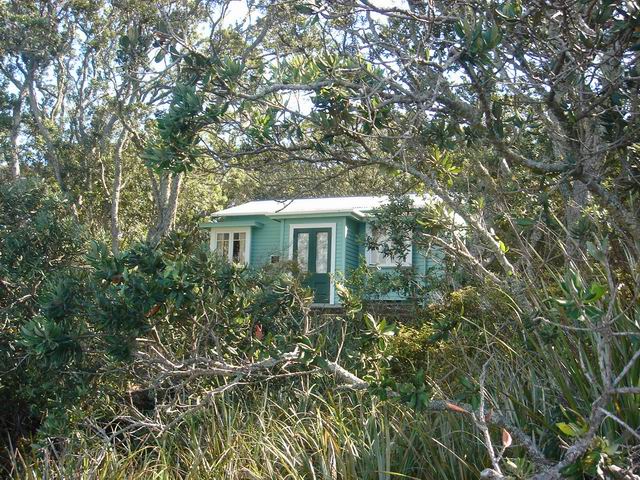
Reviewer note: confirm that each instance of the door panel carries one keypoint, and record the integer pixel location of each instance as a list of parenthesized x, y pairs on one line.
[(312, 250), (302, 250), (322, 252)]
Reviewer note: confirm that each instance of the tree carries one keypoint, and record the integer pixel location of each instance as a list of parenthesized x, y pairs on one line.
[(40, 242), (554, 103), (516, 116), (87, 80), (520, 118)]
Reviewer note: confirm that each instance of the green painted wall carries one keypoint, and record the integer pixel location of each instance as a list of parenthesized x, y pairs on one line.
[(265, 238), (354, 243), (265, 241), (273, 237)]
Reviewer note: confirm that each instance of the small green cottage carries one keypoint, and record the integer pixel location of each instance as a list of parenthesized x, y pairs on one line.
[(325, 236)]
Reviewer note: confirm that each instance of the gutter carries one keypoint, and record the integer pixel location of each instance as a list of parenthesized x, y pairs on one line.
[(355, 212), (231, 223)]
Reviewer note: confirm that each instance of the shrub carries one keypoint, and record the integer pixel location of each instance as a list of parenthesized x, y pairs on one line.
[(39, 240), (98, 326), (443, 334)]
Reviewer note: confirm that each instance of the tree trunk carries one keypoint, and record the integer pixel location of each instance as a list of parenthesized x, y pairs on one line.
[(115, 192), (15, 131), (50, 152), (590, 164), (576, 202), (166, 198)]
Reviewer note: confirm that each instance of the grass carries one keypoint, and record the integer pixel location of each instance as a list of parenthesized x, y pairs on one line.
[(299, 435)]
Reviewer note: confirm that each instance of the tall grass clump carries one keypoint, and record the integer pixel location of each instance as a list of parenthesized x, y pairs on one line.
[(290, 434)]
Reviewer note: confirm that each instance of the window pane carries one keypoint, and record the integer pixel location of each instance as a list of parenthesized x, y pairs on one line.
[(322, 251), (239, 241), (383, 241), (377, 257), (222, 244), (303, 251)]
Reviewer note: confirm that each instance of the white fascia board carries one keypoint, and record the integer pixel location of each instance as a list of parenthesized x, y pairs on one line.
[(320, 213)]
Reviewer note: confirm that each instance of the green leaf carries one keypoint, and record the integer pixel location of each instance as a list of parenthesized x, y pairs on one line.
[(595, 251), (496, 109), (124, 42), (524, 222), (321, 362), (596, 292), (616, 98), (304, 9), (572, 429), (567, 428), (491, 37), (459, 29)]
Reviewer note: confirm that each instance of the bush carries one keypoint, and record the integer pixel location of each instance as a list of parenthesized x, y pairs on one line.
[(142, 358), (444, 334), (78, 318), (39, 240), (543, 375), (97, 326)]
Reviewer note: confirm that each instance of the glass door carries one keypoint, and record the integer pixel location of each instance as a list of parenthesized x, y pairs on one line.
[(312, 251)]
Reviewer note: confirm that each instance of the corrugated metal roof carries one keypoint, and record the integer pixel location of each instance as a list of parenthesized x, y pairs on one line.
[(301, 206)]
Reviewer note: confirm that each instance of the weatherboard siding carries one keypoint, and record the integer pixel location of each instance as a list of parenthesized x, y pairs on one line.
[(271, 236), (354, 244), (434, 262), (265, 236), (265, 242)]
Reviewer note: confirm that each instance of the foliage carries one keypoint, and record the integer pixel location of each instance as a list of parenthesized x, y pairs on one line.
[(39, 242), (93, 323), (542, 377), (375, 283), (295, 433), (520, 121)]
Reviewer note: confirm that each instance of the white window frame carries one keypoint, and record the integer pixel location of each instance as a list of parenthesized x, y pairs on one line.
[(213, 241), (387, 261)]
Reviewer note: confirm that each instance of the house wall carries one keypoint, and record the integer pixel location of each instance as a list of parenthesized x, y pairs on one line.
[(273, 238), (265, 241), (354, 238)]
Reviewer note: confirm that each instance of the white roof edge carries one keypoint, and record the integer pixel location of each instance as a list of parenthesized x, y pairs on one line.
[(356, 206), (223, 214), (315, 212), (356, 212)]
